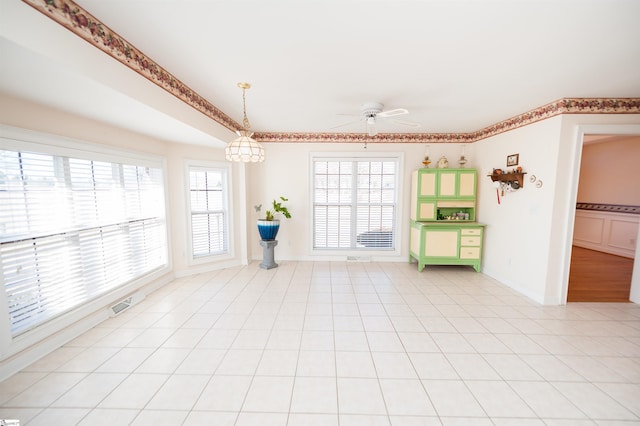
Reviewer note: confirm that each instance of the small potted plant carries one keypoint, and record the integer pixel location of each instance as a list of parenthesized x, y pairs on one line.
[(269, 226)]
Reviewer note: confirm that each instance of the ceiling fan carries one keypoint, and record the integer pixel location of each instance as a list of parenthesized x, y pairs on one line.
[(372, 111)]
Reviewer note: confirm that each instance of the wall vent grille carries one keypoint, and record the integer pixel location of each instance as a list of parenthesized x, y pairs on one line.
[(121, 306)]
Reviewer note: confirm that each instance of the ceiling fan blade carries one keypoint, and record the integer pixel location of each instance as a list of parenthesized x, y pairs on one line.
[(406, 123), (393, 112), (345, 124)]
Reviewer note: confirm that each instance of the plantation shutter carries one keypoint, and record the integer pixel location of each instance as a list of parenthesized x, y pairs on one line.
[(72, 229), (354, 203), (207, 195)]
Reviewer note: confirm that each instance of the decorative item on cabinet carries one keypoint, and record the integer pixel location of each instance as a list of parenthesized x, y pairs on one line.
[(463, 160), (443, 163), (426, 160)]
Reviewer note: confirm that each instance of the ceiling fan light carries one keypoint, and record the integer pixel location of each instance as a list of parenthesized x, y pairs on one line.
[(371, 126), (244, 148)]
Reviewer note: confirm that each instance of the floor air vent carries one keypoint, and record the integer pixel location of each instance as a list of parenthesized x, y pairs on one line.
[(358, 259), (121, 306)]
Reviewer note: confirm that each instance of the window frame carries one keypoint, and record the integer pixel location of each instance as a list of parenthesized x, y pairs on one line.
[(92, 311), (358, 253), (225, 167)]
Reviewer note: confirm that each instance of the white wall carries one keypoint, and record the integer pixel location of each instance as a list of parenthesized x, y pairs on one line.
[(286, 171), (518, 229), (528, 237)]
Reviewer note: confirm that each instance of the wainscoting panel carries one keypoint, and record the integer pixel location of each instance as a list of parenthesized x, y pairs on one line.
[(605, 231)]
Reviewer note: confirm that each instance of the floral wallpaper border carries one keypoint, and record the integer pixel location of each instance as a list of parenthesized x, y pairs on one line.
[(80, 22)]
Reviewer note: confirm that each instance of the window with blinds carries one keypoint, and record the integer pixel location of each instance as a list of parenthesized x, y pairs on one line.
[(354, 203), (208, 205), (73, 229)]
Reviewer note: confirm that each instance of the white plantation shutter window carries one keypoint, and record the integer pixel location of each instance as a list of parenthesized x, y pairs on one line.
[(354, 203), (209, 216), (73, 229)]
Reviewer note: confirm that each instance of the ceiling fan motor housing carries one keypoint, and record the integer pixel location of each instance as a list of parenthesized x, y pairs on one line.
[(371, 109)]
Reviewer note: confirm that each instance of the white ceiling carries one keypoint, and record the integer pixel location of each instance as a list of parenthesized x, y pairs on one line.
[(457, 66)]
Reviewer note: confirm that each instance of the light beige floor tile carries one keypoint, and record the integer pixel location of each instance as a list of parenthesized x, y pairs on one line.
[(59, 417), (355, 364), (201, 361), (511, 367), (240, 362), (251, 339), (179, 392), (452, 399), (299, 419), (417, 342), (90, 391), (415, 421), (351, 341), (360, 396), (163, 360), (159, 418), (317, 341), (151, 338), (315, 395), (54, 360), (109, 417), (452, 343), (46, 390), (185, 338), (17, 383), (546, 401), (269, 394), (472, 367), (218, 339), (278, 363), (271, 419), (316, 364), (135, 391), (498, 399), (125, 361), (393, 365), (485, 343), (593, 402), (363, 420), (384, 341), (626, 394), (208, 418), (406, 398), (224, 393), (551, 368), (88, 360)]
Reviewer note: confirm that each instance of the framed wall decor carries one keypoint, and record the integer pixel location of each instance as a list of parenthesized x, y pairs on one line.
[(512, 160)]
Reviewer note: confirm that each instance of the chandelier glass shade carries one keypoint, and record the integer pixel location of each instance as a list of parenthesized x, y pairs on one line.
[(244, 148)]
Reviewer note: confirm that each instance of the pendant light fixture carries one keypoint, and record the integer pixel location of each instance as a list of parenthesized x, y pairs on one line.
[(244, 148)]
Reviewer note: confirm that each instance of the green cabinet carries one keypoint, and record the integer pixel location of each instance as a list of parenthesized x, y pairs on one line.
[(437, 194), (443, 214), (446, 243)]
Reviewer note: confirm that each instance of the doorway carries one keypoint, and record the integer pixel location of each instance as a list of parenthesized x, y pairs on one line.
[(604, 244)]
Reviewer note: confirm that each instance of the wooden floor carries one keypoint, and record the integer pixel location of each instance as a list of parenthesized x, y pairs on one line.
[(599, 277)]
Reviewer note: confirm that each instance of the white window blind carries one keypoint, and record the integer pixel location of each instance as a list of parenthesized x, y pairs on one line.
[(209, 224), (354, 203), (72, 229)]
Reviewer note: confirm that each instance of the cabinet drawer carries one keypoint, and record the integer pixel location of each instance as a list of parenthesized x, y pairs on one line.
[(470, 241), (469, 252), (471, 231)]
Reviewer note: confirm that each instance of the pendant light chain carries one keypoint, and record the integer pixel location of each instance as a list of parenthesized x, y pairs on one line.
[(245, 120)]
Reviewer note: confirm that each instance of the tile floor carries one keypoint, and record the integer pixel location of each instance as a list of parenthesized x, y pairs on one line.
[(315, 343)]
